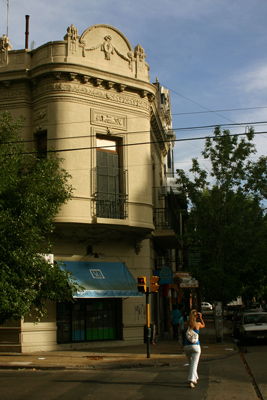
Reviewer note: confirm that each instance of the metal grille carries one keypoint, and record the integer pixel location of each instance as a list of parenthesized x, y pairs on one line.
[(109, 193), (110, 205)]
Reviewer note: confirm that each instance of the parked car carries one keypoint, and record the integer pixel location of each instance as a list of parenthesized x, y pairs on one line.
[(228, 311), (253, 326), (237, 318), (206, 306)]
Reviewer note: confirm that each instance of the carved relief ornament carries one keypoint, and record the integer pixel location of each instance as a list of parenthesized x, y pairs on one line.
[(5, 46), (139, 53), (109, 49), (91, 92), (14, 94), (103, 118), (39, 114), (72, 37)]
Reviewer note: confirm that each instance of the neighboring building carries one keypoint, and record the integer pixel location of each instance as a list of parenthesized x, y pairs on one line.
[(90, 98)]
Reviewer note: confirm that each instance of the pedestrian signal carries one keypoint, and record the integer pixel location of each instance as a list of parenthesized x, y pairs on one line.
[(154, 283), (141, 284)]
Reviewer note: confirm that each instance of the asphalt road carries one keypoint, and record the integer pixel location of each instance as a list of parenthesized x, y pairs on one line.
[(255, 362), (220, 379)]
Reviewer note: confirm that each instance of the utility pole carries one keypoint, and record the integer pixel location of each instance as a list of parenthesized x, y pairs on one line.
[(7, 18)]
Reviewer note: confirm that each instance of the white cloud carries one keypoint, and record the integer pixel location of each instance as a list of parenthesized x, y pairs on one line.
[(254, 79)]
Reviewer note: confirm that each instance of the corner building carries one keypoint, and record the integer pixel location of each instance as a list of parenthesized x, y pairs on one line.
[(90, 98)]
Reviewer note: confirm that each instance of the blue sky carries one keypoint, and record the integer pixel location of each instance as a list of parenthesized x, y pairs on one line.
[(210, 54)]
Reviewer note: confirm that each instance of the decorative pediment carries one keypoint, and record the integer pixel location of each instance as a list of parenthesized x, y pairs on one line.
[(106, 48)]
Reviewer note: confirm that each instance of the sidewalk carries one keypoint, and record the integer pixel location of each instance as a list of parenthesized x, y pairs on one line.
[(166, 352)]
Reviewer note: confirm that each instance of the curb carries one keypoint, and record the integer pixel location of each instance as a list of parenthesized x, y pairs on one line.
[(111, 366), (32, 367), (128, 361)]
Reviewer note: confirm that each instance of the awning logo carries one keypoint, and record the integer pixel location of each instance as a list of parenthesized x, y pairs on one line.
[(96, 273)]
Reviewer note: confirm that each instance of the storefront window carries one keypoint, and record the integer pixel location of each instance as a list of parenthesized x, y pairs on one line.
[(89, 320)]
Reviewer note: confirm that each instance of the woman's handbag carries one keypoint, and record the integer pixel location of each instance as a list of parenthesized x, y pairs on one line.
[(191, 336)]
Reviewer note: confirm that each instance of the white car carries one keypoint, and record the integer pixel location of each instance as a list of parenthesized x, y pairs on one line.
[(206, 306), (253, 326)]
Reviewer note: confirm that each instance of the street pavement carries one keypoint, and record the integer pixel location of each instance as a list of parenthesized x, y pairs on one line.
[(223, 374), (166, 352)]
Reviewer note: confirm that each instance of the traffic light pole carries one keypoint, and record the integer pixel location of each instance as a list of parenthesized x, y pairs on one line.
[(143, 288), (148, 328)]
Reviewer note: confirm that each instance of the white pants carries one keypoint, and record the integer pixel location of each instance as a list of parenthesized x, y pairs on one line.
[(193, 352)]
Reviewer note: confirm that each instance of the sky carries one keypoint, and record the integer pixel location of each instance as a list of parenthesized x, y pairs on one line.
[(210, 54)]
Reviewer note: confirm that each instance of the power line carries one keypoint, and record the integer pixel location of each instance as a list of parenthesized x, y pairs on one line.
[(139, 143), (139, 132), (216, 111), (221, 125), (183, 113), (200, 105)]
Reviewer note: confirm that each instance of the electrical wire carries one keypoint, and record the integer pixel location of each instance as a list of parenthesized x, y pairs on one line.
[(138, 143), (192, 128), (173, 114), (200, 105), (216, 111)]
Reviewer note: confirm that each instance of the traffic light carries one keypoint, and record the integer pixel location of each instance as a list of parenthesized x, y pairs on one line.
[(141, 284), (154, 283)]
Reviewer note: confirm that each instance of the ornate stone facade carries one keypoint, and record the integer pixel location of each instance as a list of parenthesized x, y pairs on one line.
[(85, 90)]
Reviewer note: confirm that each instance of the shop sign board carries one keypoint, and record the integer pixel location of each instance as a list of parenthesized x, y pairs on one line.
[(187, 280), (165, 274)]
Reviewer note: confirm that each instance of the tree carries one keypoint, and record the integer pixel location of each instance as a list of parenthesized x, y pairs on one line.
[(226, 218), (32, 190)]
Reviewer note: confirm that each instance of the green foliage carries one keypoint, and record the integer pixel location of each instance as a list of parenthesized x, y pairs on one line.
[(226, 218), (32, 190)]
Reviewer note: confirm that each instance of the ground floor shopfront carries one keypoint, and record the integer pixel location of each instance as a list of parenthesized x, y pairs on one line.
[(89, 320), (97, 311), (109, 309)]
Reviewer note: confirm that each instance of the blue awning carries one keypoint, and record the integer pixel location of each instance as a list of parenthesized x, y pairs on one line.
[(102, 279)]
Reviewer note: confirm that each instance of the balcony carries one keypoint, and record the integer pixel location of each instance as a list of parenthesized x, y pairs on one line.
[(168, 224), (111, 203)]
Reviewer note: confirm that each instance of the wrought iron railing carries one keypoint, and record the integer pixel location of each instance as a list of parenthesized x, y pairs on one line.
[(110, 203), (168, 217), (162, 218)]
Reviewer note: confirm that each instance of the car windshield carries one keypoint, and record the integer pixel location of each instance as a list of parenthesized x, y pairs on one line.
[(255, 319), (239, 313)]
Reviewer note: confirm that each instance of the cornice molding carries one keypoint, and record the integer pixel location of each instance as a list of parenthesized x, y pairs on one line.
[(76, 88)]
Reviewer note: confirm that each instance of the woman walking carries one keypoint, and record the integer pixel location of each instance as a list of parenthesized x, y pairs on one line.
[(192, 346)]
